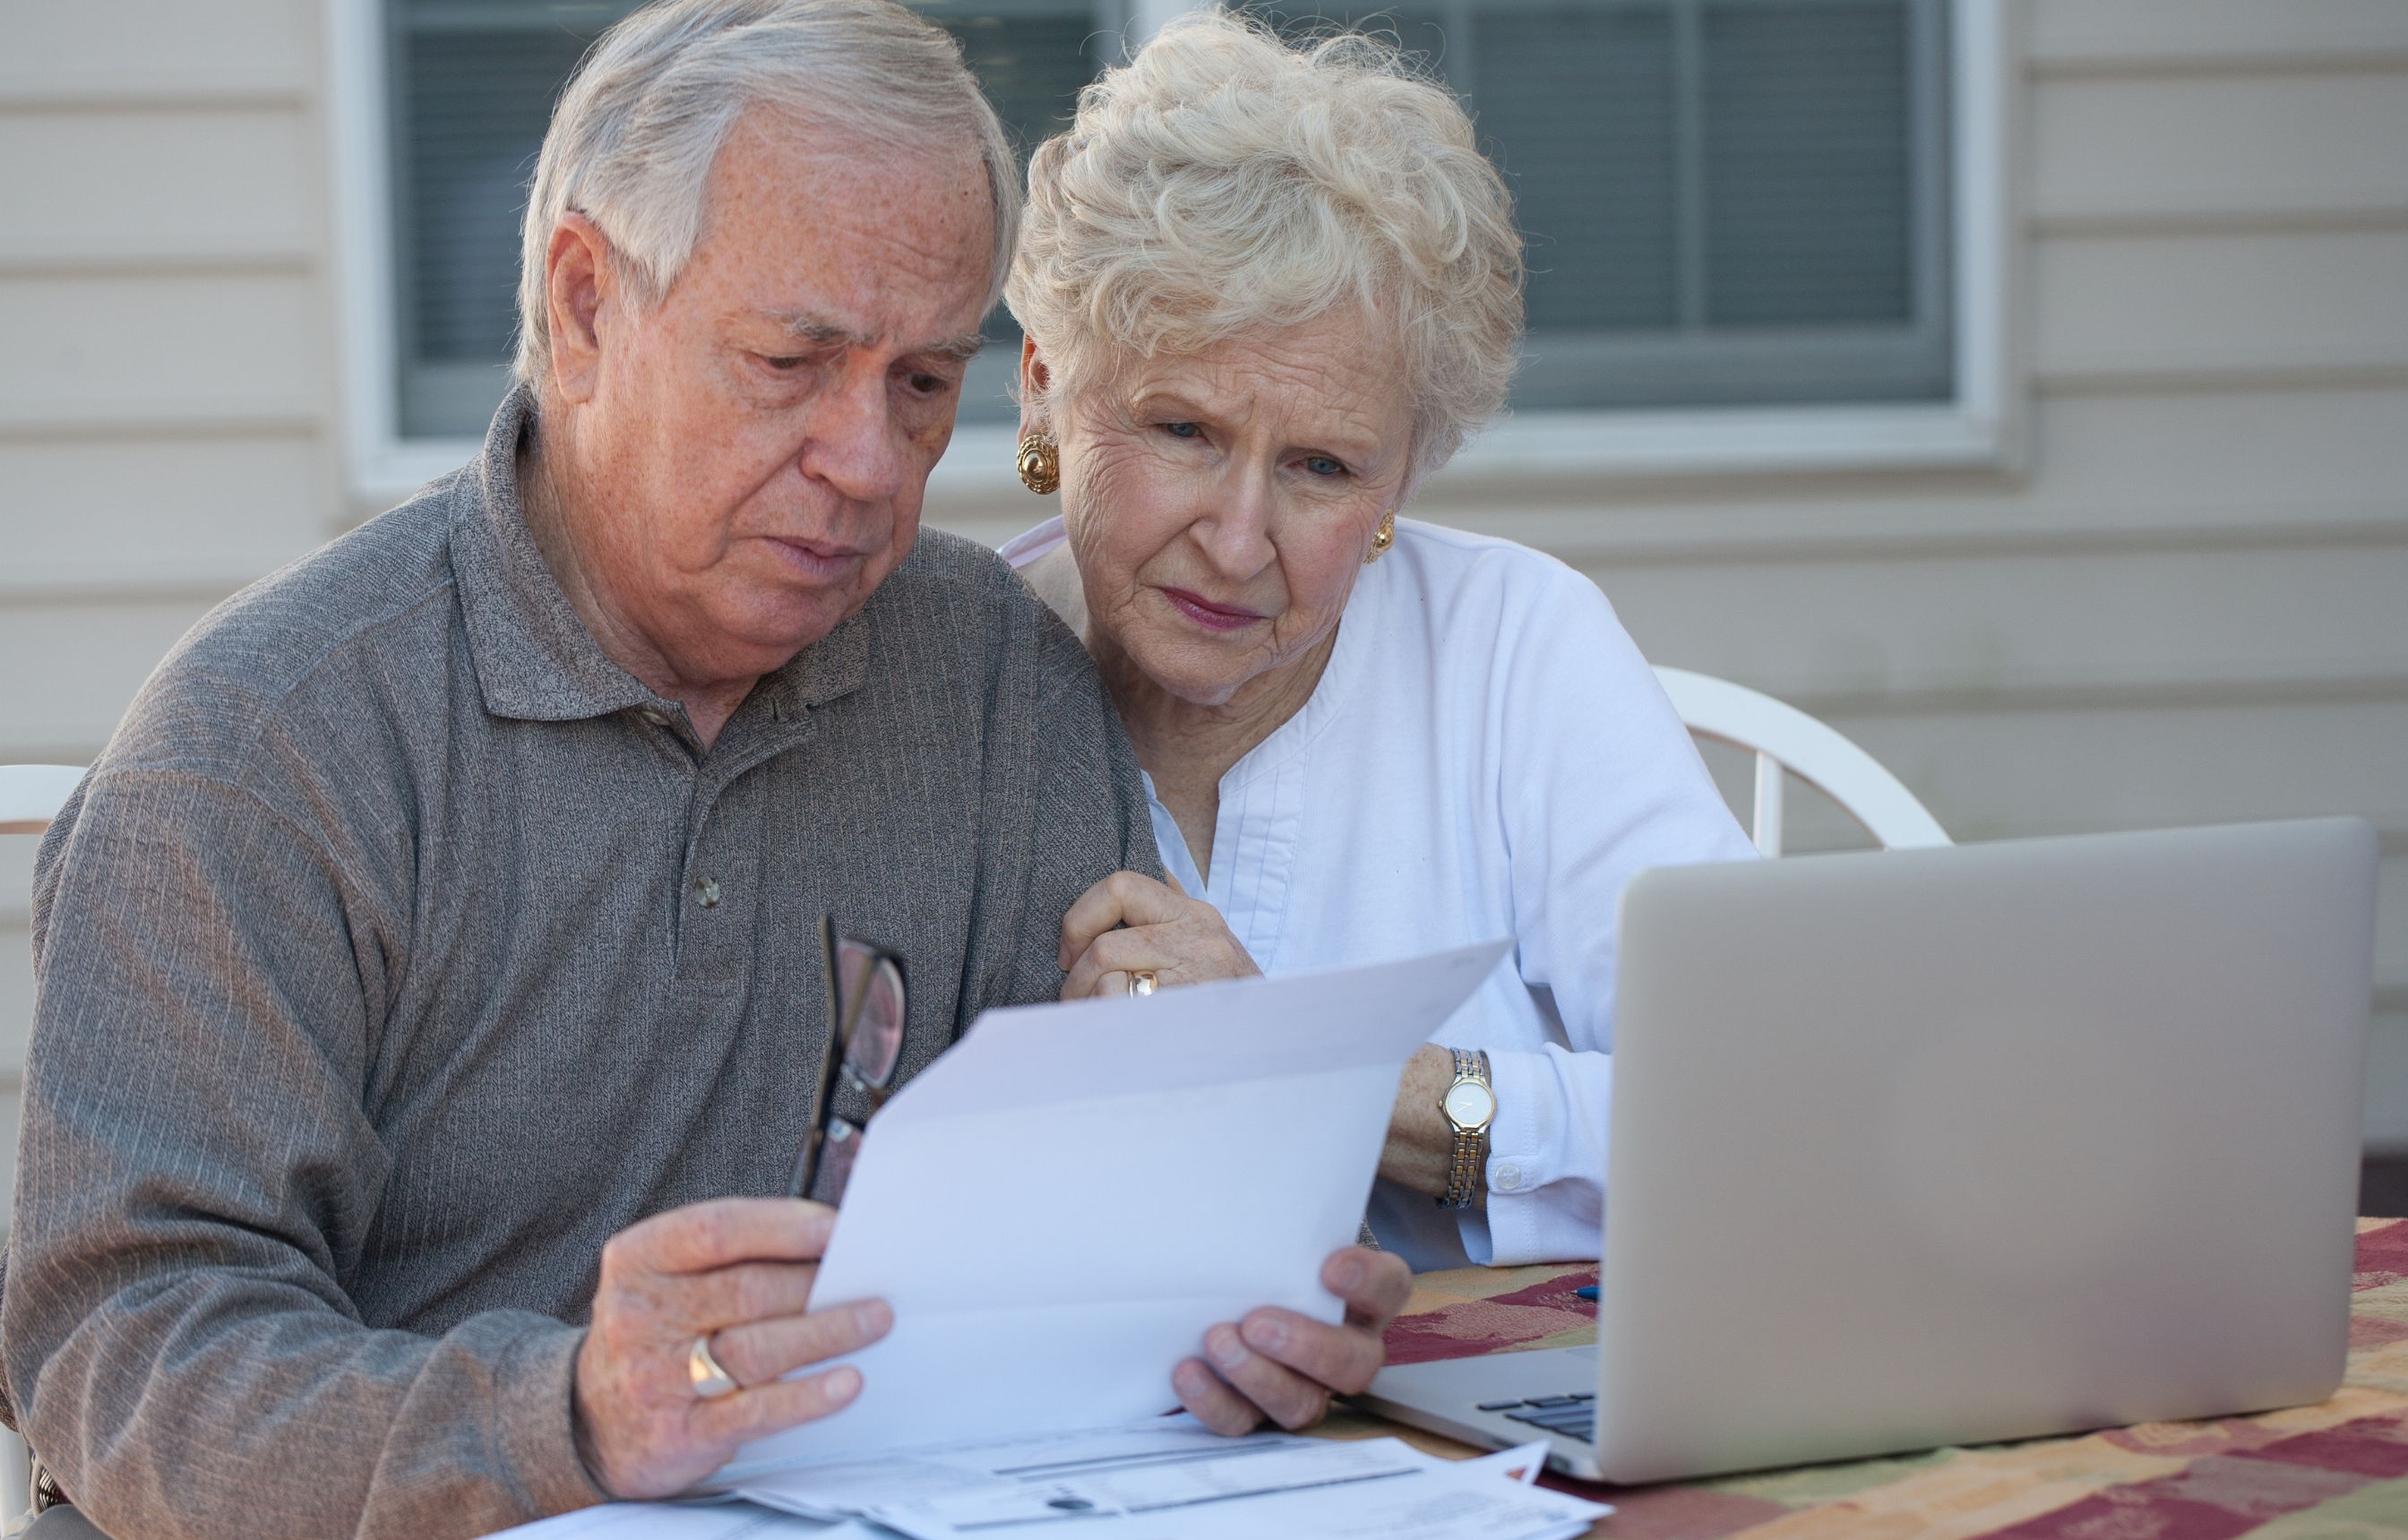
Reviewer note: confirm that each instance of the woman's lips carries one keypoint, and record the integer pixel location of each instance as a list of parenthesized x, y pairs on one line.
[(1212, 616)]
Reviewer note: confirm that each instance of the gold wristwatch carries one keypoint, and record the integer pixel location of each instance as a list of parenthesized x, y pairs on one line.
[(1469, 1106)]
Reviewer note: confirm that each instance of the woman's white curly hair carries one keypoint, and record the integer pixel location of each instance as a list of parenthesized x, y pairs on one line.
[(1223, 182)]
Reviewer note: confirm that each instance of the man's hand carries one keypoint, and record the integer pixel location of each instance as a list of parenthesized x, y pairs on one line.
[(1279, 1364), (741, 1270), (1127, 922)]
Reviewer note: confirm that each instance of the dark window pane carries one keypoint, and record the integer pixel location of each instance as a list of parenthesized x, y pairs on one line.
[(1724, 200), (1576, 107), (477, 104), (474, 83), (1031, 57), (1030, 66), (473, 87), (1419, 32), (1808, 202), (1031, 69)]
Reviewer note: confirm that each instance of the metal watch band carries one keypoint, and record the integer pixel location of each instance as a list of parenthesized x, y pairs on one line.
[(1463, 1177)]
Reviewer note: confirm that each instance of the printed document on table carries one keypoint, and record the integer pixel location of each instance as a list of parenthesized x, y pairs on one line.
[(1062, 1204), (1172, 1479), (688, 1521)]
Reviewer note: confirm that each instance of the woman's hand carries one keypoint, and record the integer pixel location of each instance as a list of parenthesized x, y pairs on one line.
[(1420, 1150), (1127, 922)]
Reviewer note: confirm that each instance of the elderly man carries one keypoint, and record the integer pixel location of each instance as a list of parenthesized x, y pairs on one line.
[(428, 972)]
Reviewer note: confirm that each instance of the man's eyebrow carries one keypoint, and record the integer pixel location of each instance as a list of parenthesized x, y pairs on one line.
[(804, 327)]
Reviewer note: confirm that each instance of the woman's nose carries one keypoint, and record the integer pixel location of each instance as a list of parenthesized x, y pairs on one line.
[(1235, 532)]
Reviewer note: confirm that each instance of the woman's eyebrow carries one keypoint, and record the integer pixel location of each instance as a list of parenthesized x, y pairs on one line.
[(1167, 399)]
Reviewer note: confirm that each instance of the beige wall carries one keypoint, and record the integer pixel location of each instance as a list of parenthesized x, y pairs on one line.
[(2189, 602), (167, 362)]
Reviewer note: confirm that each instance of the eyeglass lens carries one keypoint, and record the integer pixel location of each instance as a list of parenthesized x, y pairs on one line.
[(871, 998)]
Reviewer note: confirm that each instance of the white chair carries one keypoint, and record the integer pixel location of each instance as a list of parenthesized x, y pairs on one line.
[(1782, 737), (32, 795)]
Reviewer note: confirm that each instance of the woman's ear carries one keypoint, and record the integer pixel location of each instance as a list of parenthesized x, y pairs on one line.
[(1035, 378)]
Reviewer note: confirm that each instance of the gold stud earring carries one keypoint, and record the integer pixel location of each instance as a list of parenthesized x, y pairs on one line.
[(1039, 464), (1383, 537)]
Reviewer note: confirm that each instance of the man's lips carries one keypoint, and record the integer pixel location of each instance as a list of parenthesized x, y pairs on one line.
[(819, 561), (1212, 616)]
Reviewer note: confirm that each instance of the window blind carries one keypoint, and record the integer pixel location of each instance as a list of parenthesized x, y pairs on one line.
[(1031, 57), (1725, 201), (472, 86)]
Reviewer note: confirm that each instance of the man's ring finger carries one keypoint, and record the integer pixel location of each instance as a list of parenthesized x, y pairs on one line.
[(1140, 981), (711, 1381)]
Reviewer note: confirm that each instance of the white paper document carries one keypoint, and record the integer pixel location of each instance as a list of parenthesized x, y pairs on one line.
[(1167, 1479), (1172, 1479), (721, 1521), (1062, 1204)]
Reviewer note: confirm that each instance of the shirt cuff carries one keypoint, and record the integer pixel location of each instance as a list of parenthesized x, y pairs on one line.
[(1543, 1175), (539, 1434)]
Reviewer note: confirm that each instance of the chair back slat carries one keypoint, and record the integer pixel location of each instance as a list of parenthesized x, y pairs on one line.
[(1782, 737), (32, 795)]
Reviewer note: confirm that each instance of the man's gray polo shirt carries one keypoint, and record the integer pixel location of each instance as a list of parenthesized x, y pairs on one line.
[(401, 948)]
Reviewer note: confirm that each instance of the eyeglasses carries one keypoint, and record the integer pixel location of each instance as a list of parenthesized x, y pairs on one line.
[(865, 1018)]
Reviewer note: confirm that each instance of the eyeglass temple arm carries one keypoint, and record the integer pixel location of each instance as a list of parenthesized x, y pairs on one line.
[(806, 1159)]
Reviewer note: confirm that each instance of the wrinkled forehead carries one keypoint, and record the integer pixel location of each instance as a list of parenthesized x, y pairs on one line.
[(786, 187), (1346, 368)]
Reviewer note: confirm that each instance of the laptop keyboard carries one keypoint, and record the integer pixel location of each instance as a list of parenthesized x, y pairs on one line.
[(1572, 1416)]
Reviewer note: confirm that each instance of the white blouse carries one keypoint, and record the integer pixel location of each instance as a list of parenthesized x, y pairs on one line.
[(1487, 754)]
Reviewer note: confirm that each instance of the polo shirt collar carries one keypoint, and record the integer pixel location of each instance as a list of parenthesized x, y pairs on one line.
[(535, 659)]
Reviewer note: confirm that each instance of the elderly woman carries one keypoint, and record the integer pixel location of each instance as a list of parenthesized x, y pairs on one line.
[(1267, 292)]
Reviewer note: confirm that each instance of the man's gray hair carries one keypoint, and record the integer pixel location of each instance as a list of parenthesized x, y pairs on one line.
[(634, 138)]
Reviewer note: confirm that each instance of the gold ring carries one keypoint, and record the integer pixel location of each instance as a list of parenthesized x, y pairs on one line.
[(711, 1381), (1142, 981)]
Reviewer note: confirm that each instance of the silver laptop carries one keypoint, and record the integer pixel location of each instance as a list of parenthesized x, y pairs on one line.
[(1958, 1146)]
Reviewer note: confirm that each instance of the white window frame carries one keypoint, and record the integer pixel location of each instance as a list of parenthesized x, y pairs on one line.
[(1974, 429), (382, 467)]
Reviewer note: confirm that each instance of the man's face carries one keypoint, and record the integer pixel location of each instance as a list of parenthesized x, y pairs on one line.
[(747, 458)]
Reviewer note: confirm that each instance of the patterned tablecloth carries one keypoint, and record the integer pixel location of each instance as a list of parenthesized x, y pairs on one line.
[(2337, 1471)]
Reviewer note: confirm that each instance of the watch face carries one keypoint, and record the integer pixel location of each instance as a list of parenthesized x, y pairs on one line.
[(1469, 1104)]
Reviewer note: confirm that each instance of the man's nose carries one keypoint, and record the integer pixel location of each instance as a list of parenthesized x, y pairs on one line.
[(853, 441)]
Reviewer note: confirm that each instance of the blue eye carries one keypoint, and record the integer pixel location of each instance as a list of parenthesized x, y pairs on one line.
[(1322, 464), (1182, 430)]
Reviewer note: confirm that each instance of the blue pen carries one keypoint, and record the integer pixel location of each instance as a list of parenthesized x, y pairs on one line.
[(1587, 1292)]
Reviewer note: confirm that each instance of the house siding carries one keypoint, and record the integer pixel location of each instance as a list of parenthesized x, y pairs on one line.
[(168, 424)]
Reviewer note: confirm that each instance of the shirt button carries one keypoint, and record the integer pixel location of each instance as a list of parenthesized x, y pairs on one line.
[(706, 891), (656, 718), (1507, 1177)]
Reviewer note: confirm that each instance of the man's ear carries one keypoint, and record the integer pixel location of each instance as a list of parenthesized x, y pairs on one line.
[(577, 286), (1035, 412)]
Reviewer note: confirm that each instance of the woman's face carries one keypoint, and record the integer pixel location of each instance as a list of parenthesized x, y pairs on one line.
[(1221, 503)]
